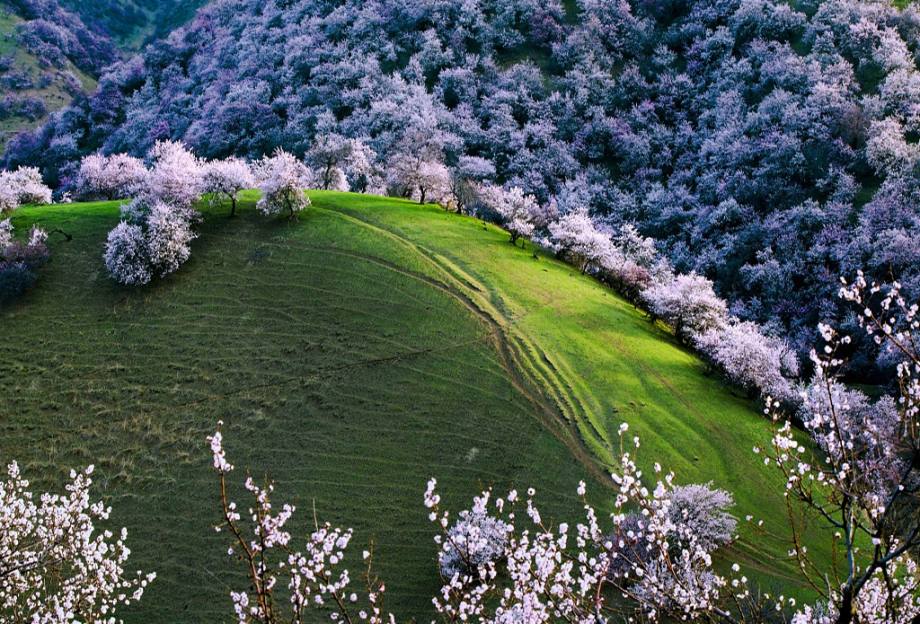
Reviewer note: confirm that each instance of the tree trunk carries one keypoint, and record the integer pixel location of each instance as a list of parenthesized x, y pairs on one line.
[(423, 193), (232, 206), (846, 606)]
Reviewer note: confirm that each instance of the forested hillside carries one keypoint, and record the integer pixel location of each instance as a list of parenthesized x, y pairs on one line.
[(767, 145), (133, 23), (47, 58)]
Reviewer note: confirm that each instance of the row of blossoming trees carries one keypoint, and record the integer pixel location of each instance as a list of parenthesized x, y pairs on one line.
[(158, 226), (502, 562)]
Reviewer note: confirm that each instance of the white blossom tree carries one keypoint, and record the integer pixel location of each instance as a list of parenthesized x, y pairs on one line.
[(328, 156), (576, 236), (512, 206), (282, 179), (22, 186), (311, 576), (863, 478), (752, 360), (110, 177), (175, 176), (224, 179), (56, 565), (688, 303), (168, 238), (126, 255)]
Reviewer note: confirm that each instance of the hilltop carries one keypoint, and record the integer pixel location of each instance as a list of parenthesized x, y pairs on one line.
[(353, 354)]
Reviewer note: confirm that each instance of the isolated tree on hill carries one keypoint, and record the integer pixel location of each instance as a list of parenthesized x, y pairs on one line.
[(56, 564), (282, 179), (688, 303), (110, 177), (224, 179)]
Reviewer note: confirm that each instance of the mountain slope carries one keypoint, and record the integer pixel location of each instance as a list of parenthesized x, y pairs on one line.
[(48, 57), (134, 22), (353, 355)]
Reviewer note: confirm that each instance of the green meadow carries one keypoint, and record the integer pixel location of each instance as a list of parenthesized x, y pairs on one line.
[(353, 354)]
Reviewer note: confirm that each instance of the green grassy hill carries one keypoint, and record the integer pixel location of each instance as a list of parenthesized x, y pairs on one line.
[(353, 354)]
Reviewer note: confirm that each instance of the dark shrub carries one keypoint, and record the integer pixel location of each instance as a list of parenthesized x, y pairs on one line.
[(15, 279)]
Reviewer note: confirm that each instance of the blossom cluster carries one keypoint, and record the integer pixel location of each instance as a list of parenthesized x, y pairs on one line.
[(153, 239), (22, 186), (55, 565), (311, 576)]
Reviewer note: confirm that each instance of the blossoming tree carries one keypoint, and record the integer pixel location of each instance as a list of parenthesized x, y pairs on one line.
[(282, 179), (55, 564), (224, 179)]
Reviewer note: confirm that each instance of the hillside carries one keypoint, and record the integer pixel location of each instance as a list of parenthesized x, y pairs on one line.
[(133, 23), (354, 354), (46, 60), (760, 142)]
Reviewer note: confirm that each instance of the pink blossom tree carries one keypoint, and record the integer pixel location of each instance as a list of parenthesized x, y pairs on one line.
[(282, 179), (575, 236), (224, 179), (110, 177), (175, 177), (761, 364), (126, 255), (513, 207), (688, 303), (22, 186)]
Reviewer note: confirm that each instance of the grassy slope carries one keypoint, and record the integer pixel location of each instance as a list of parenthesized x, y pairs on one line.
[(353, 355)]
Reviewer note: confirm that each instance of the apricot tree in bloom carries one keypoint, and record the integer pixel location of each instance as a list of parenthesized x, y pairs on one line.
[(575, 236), (309, 576), (110, 177), (864, 478), (55, 565), (512, 206), (762, 364), (126, 257), (175, 176), (282, 179), (328, 156), (224, 179), (688, 303), (22, 186), (653, 561)]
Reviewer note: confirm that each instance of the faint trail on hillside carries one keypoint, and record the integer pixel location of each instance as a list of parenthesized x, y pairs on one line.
[(542, 385)]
